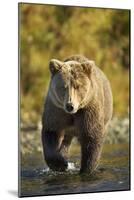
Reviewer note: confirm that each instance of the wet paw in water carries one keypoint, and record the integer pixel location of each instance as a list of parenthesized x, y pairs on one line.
[(71, 167)]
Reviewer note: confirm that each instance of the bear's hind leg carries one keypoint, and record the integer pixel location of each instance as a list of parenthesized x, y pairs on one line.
[(51, 141), (66, 144)]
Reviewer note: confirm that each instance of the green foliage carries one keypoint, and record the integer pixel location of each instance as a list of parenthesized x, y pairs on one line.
[(56, 32)]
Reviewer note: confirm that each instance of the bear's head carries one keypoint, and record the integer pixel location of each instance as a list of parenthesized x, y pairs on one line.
[(71, 84)]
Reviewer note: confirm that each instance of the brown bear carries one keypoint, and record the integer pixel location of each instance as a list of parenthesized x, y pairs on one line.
[(79, 103)]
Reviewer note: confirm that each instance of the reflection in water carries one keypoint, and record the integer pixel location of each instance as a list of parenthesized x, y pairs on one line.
[(112, 174)]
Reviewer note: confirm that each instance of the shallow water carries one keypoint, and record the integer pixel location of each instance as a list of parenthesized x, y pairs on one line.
[(112, 173)]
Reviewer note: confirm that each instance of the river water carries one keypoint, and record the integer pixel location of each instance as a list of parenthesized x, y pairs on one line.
[(112, 173)]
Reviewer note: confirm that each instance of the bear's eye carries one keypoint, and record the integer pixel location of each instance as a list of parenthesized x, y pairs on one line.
[(77, 87)]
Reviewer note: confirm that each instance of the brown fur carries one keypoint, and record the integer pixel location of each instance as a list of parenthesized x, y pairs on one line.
[(91, 92)]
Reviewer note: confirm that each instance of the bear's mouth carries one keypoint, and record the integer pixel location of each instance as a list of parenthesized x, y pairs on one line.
[(71, 112)]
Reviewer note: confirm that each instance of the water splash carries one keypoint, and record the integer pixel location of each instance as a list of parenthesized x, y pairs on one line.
[(47, 171), (71, 166)]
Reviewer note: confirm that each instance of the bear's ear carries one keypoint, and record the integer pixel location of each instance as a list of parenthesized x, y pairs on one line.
[(55, 66), (88, 66)]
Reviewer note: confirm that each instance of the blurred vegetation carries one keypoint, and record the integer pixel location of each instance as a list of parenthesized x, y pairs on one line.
[(56, 32)]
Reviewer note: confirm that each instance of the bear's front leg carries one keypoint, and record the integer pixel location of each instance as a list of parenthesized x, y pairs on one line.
[(91, 138), (51, 141), (91, 148)]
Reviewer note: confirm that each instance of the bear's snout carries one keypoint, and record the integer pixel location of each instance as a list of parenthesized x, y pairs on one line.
[(69, 107)]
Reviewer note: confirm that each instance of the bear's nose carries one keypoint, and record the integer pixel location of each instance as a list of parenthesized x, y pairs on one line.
[(69, 107)]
